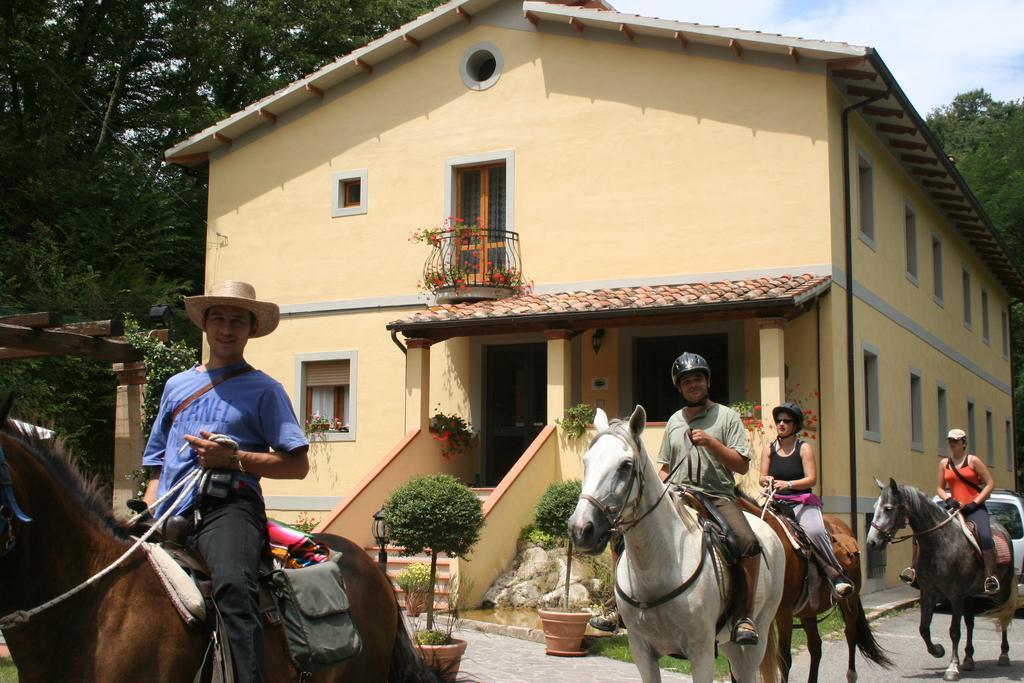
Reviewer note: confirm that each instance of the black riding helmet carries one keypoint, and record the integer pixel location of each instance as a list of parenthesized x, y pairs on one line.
[(794, 410), (688, 362)]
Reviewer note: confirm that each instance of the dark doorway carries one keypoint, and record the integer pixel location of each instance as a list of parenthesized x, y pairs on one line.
[(652, 370), (515, 404)]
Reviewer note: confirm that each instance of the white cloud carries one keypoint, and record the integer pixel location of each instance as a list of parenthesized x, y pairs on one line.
[(935, 49)]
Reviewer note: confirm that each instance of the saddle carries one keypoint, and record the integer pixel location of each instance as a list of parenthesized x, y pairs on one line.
[(1000, 538)]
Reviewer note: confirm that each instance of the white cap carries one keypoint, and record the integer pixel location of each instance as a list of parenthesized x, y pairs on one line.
[(956, 434)]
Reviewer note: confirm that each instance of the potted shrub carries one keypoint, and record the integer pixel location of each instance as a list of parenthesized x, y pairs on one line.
[(563, 629), (575, 420), (436, 514), (414, 580)]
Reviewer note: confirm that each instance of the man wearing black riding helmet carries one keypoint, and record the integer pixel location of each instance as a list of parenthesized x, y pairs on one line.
[(705, 444)]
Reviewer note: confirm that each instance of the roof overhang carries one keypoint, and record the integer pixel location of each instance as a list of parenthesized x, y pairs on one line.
[(639, 306)]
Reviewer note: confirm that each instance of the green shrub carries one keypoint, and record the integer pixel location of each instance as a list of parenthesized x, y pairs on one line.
[(576, 418), (432, 637), (435, 512), (555, 507), (531, 535)]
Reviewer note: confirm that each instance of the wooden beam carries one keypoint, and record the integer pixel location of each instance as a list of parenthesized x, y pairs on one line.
[(626, 31), (95, 328), (222, 139), (909, 144), (310, 88), (681, 39), (268, 115), (21, 354), (532, 18), (364, 66), (188, 159), (737, 49), (416, 44), (794, 55), (929, 172), (941, 184), (861, 91), (883, 111), (896, 128), (67, 343), (576, 24), (34, 320), (972, 229), (956, 207), (918, 159), (950, 197), (855, 74), (464, 14), (845, 62)]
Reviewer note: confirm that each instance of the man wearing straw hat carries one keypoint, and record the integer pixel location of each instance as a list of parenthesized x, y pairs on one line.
[(237, 425)]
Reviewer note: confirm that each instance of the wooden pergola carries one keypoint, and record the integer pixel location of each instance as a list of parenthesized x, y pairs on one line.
[(35, 335)]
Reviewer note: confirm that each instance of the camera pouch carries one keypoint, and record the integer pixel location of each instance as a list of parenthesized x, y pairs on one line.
[(217, 484)]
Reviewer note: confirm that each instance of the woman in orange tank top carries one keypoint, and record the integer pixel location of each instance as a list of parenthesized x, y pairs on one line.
[(965, 484)]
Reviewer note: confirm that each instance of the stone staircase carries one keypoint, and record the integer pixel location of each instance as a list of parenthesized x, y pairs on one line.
[(397, 562)]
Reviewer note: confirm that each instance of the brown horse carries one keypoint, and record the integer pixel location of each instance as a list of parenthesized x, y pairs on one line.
[(797, 602), (124, 628)]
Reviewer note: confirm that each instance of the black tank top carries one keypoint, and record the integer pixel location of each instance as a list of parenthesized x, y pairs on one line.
[(788, 468)]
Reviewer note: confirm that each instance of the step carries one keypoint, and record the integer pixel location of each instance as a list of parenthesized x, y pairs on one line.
[(483, 492)]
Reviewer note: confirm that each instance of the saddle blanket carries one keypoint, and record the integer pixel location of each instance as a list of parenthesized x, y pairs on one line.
[(1004, 553)]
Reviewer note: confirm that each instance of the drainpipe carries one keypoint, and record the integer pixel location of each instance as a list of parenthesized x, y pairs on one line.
[(398, 342), (1013, 397), (821, 429), (850, 373)]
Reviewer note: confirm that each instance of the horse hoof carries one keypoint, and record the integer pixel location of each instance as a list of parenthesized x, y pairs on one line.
[(936, 651), (951, 676), (968, 664), (1004, 660), (851, 676)]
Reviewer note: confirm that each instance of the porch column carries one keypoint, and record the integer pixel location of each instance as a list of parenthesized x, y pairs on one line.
[(559, 372), (129, 441), (417, 384), (773, 364)]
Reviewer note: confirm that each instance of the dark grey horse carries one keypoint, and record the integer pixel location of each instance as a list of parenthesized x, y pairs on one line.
[(948, 568)]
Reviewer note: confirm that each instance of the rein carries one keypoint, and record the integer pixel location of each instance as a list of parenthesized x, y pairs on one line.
[(21, 617)]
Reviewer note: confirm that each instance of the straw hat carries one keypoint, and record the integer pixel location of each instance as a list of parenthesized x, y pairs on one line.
[(238, 294)]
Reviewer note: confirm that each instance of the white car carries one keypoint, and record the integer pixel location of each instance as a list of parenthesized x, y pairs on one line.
[(1007, 508)]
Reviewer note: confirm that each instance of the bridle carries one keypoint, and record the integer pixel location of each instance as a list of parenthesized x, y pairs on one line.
[(889, 535), (614, 513), (9, 508)]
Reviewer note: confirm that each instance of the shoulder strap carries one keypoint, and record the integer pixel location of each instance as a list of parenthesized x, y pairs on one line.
[(956, 471), (223, 378)]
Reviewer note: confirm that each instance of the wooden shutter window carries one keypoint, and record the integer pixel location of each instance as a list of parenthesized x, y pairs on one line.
[(327, 373)]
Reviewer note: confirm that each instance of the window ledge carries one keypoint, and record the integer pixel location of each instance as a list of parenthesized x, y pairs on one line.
[(332, 437), (872, 436)]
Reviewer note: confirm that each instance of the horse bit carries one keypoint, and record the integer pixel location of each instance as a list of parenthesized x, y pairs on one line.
[(612, 513), (9, 508)]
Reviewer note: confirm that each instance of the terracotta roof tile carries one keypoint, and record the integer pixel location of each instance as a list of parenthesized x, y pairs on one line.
[(765, 289)]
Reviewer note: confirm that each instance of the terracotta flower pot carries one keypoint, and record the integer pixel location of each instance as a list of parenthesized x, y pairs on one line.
[(563, 632), (444, 659)]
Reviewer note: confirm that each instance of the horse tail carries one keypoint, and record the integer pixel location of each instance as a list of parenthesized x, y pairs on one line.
[(1003, 614), (866, 642), (771, 663), (406, 664)]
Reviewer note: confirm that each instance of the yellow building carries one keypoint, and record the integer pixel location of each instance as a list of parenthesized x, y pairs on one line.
[(665, 186)]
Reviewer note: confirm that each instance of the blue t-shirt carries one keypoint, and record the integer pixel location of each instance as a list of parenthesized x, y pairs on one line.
[(251, 408)]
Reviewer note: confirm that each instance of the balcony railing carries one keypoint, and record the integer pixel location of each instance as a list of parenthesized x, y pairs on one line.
[(469, 263)]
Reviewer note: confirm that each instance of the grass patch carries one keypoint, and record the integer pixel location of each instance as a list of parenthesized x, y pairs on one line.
[(617, 647), (8, 672)]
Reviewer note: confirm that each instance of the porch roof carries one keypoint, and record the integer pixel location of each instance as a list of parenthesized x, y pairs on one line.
[(785, 296)]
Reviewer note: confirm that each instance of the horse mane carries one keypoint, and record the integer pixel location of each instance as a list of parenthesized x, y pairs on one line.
[(917, 501), (52, 454)]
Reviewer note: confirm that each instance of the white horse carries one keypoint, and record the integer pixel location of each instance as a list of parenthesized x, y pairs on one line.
[(667, 590)]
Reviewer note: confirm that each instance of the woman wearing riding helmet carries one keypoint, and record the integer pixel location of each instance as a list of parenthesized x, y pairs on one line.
[(788, 465)]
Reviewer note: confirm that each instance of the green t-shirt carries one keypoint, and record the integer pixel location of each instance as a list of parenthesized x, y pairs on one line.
[(700, 469)]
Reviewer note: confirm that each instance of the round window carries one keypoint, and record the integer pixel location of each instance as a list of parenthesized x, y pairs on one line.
[(481, 66)]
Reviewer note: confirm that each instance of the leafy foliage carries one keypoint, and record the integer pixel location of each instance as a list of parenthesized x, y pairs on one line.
[(163, 361), (576, 418), (415, 577), (531, 535), (555, 506), (435, 512)]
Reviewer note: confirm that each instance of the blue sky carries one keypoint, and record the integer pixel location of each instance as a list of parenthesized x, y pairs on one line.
[(935, 48)]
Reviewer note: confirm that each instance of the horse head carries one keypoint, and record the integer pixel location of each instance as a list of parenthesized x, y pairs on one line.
[(890, 515), (611, 472)]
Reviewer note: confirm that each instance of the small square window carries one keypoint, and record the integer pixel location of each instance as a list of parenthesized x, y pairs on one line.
[(348, 193), (326, 385)]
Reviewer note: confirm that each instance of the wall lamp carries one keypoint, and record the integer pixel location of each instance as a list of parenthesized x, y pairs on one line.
[(597, 339)]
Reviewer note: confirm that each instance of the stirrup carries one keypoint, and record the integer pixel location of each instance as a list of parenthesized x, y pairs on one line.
[(909, 576), (991, 585), (744, 633)]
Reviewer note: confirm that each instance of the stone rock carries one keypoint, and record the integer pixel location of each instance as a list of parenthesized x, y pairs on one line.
[(533, 562), (524, 595), (578, 597)]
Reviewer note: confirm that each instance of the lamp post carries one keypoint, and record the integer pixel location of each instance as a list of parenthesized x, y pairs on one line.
[(380, 534)]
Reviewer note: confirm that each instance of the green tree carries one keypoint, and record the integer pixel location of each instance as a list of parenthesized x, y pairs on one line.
[(986, 137)]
